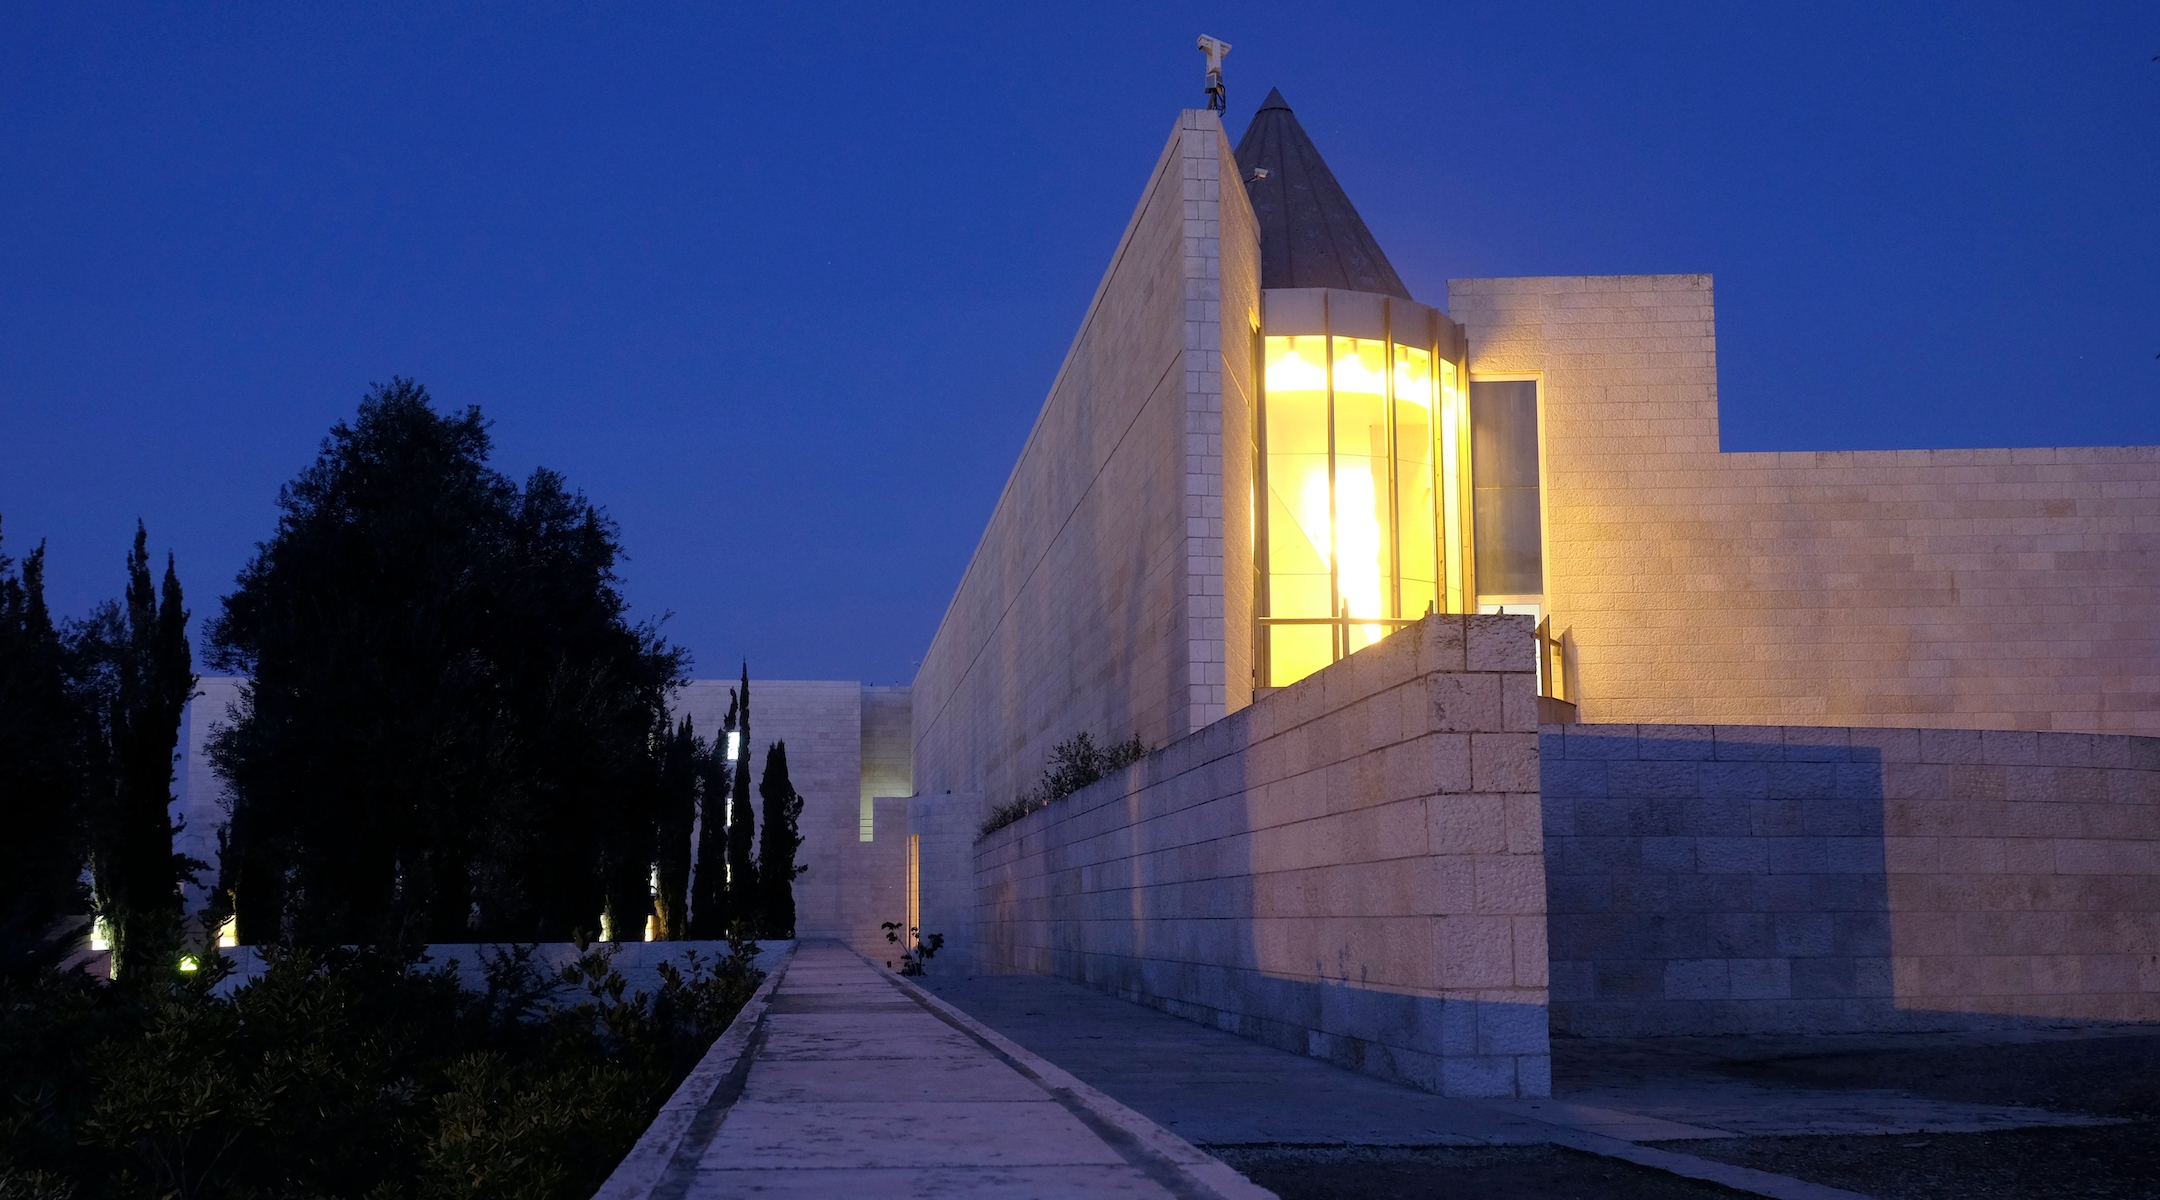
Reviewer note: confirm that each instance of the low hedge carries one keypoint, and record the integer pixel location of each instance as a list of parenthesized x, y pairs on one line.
[(347, 1073)]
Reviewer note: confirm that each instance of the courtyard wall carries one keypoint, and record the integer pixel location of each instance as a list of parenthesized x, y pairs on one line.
[(1350, 867), (1748, 879), (1101, 593), (1972, 589)]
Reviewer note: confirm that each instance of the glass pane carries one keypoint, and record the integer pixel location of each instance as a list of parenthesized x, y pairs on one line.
[(1504, 478), (1299, 546), (1295, 651), (1415, 512), (1364, 574), (1451, 482)]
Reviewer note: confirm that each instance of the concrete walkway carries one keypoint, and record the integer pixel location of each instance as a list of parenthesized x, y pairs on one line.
[(1228, 1090), (1217, 1089), (841, 1081)]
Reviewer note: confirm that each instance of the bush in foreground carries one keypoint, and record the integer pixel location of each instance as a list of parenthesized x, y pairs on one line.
[(346, 1074)]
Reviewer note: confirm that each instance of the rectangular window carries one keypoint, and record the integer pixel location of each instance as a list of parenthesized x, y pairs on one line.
[(1416, 503), (1508, 524), (1300, 528), (1365, 574)]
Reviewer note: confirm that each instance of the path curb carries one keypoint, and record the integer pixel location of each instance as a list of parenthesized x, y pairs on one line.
[(1210, 1175), (648, 1163), (1743, 1179)]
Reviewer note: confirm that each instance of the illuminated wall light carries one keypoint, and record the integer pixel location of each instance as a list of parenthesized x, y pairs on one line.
[(189, 964), (100, 935), (734, 745)]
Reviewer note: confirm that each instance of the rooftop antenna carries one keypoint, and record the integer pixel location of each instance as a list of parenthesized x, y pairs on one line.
[(1215, 49)]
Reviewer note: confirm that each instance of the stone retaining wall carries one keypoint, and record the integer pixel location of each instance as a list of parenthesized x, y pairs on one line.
[(1748, 879), (1350, 867)]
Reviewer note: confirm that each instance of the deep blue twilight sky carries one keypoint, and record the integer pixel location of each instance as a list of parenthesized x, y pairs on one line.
[(782, 286)]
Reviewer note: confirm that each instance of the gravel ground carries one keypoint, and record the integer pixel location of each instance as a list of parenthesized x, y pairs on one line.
[(2106, 1076), (1456, 1173), (2091, 1162), (2110, 1077)]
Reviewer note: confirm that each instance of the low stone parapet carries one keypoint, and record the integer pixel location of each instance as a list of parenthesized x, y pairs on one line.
[(1351, 867)]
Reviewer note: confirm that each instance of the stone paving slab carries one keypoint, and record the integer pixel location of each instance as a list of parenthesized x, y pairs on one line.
[(1691, 1081), (840, 1079), (1735, 1108), (907, 1183), (903, 1133), (1229, 1090), (1215, 1088), (814, 1081)]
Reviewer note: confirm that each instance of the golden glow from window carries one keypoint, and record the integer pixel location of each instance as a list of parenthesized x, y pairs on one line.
[(228, 934), (1352, 508), (1416, 502), (1454, 426), (1364, 575), (1300, 544)]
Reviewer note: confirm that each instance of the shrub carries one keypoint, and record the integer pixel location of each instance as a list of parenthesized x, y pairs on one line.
[(1074, 764), (347, 1074)]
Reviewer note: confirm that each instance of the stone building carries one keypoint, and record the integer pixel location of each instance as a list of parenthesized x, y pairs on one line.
[(1718, 741), (1490, 696)]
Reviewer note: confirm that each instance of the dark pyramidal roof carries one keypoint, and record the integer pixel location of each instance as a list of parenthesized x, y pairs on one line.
[(1310, 234)]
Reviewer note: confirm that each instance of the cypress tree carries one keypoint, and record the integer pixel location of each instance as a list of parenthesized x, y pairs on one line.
[(39, 790), (133, 675), (708, 880), (742, 886), (679, 771), (776, 852)]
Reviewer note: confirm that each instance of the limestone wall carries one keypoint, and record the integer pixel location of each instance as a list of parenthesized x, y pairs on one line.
[(199, 795), (888, 747), (1096, 600), (1976, 589), (945, 827), (1349, 867), (1761, 879), (821, 722)]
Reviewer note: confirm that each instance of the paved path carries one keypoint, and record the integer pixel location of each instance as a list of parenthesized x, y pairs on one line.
[(843, 1080), (1228, 1090), (849, 1084)]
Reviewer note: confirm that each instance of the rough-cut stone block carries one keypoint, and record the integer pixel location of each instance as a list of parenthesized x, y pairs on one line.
[(1464, 703), (1499, 643), (1504, 762), (1706, 979)]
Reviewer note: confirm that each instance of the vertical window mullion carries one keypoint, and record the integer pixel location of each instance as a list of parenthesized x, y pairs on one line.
[(1340, 629)]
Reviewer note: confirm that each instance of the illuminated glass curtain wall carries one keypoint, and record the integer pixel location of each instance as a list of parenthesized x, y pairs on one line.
[(1354, 445)]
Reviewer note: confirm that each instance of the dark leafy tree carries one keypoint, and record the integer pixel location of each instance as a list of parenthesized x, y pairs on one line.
[(583, 692), (777, 871), (130, 675), (744, 894), (447, 728), (708, 887), (39, 789), (682, 769)]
